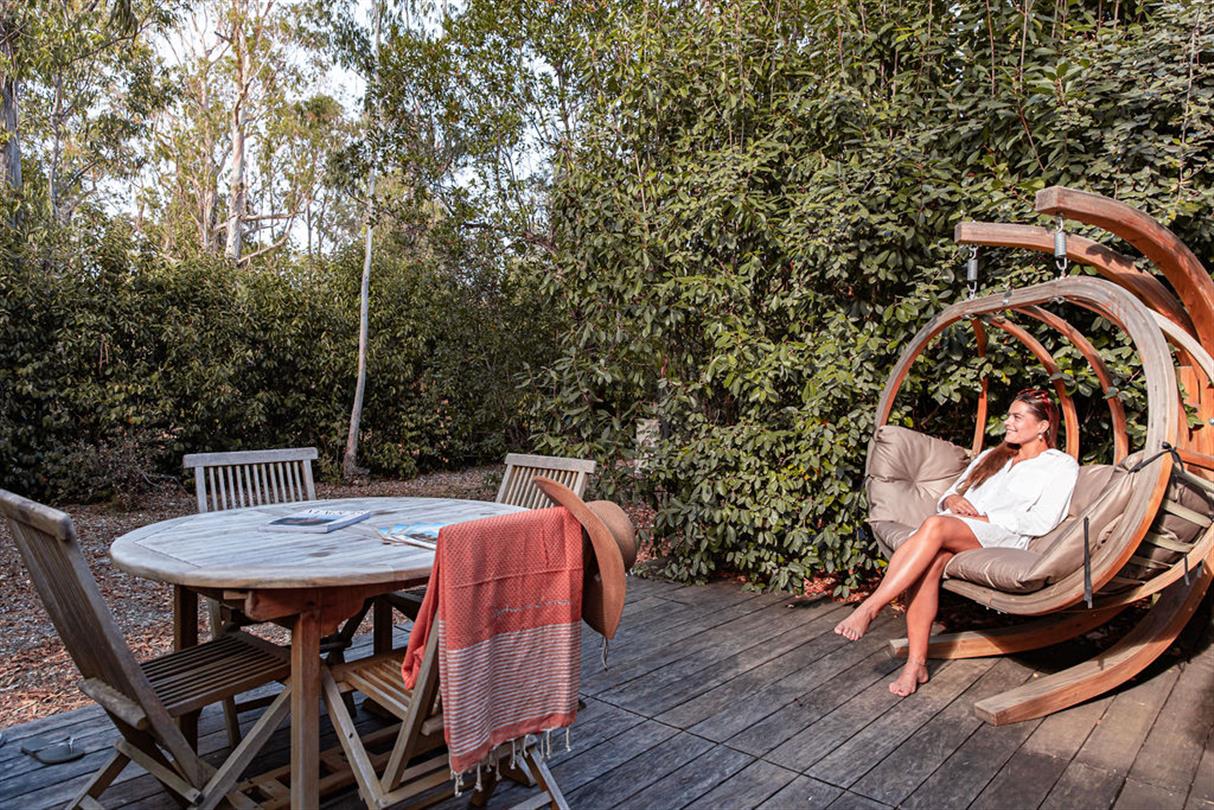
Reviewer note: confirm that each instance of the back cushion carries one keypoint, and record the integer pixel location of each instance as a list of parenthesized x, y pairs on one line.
[(908, 472), (1093, 481), (1062, 549), (1172, 527)]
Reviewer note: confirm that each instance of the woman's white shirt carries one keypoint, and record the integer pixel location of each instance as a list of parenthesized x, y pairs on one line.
[(1029, 498)]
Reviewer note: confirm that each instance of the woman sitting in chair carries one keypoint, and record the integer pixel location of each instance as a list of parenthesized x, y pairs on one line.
[(1015, 491)]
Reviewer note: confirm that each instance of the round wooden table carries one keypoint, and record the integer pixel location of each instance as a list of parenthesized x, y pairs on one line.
[(311, 581)]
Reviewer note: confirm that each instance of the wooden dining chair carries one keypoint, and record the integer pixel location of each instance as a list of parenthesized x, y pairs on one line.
[(248, 478), (154, 705), (517, 489), (417, 761), (251, 477)]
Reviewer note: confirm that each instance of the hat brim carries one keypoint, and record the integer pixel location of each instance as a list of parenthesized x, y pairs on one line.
[(602, 612)]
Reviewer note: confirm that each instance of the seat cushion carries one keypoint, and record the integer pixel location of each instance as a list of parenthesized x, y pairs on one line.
[(907, 473), (890, 534), (1004, 569)]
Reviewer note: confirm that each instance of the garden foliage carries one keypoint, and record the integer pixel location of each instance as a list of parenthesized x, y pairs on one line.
[(758, 214), (115, 361)]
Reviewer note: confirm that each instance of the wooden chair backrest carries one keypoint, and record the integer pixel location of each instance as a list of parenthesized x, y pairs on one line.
[(252, 478), (46, 539), (518, 489)]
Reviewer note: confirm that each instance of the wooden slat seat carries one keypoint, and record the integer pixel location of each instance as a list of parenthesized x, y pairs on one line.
[(379, 678), (187, 680)]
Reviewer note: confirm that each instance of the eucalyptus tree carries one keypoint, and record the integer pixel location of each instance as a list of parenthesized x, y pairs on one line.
[(80, 83), (349, 464)]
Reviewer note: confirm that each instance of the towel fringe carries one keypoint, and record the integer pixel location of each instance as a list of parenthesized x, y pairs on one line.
[(541, 743)]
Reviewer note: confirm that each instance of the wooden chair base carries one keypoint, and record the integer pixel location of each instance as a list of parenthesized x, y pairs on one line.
[(221, 784), (1008, 640), (1142, 645)]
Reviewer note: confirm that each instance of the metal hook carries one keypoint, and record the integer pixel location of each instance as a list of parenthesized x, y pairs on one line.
[(1060, 258), (971, 272)]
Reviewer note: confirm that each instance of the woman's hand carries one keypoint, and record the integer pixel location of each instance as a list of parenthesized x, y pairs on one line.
[(960, 506)]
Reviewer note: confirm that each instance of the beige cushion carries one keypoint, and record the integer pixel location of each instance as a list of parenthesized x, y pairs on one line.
[(1173, 527), (1003, 569), (890, 534), (909, 471), (1101, 493), (907, 474)]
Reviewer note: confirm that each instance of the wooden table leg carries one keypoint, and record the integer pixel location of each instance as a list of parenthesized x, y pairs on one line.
[(185, 618), (185, 634), (305, 712), (381, 632)]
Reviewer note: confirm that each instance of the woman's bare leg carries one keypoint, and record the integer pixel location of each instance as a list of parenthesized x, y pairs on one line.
[(909, 563), (920, 613)]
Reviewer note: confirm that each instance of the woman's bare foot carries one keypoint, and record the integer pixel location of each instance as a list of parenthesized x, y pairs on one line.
[(856, 625), (912, 676)]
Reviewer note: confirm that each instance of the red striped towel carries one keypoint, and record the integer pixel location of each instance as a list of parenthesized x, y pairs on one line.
[(509, 609)]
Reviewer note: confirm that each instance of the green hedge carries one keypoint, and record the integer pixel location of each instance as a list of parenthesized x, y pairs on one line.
[(759, 214), (114, 361)]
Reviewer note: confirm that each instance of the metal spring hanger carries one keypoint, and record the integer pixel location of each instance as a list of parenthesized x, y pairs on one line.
[(971, 272), (1060, 259)]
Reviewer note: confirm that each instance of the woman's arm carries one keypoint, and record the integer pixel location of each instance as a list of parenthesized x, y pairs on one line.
[(1048, 510), (952, 490)]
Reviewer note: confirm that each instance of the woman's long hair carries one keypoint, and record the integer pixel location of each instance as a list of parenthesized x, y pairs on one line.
[(1041, 404)]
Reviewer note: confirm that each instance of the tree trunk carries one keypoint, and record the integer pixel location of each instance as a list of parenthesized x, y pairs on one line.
[(12, 145), (349, 464), (9, 92), (53, 176), (236, 187)]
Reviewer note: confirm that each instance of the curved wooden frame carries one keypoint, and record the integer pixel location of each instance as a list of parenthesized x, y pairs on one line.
[(1121, 436), (1192, 282), (1114, 266), (1180, 266), (1070, 415), (1186, 320), (983, 393), (1121, 307), (1121, 439)]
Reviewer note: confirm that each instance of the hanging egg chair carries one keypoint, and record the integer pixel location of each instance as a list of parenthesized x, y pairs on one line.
[(1142, 526)]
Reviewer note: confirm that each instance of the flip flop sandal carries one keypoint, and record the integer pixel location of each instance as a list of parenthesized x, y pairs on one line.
[(55, 753)]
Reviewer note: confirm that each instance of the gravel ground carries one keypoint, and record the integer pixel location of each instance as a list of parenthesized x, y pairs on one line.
[(37, 678)]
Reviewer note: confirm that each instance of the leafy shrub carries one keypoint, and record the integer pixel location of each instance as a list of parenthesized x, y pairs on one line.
[(114, 362), (759, 214)]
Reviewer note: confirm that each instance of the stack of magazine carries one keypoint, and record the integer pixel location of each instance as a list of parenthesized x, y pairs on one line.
[(422, 535)]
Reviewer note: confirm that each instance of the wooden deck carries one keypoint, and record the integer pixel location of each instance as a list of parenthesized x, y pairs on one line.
[(720, 698)]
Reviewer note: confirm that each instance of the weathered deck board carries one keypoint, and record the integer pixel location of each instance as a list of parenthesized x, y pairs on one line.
[(721, 698), (898, 774), (750, 787)]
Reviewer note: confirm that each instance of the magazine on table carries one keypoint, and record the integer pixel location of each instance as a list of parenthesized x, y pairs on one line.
[(422, 535), (318, 521)]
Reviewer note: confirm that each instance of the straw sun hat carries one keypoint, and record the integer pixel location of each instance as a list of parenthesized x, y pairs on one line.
[(614, 539)]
